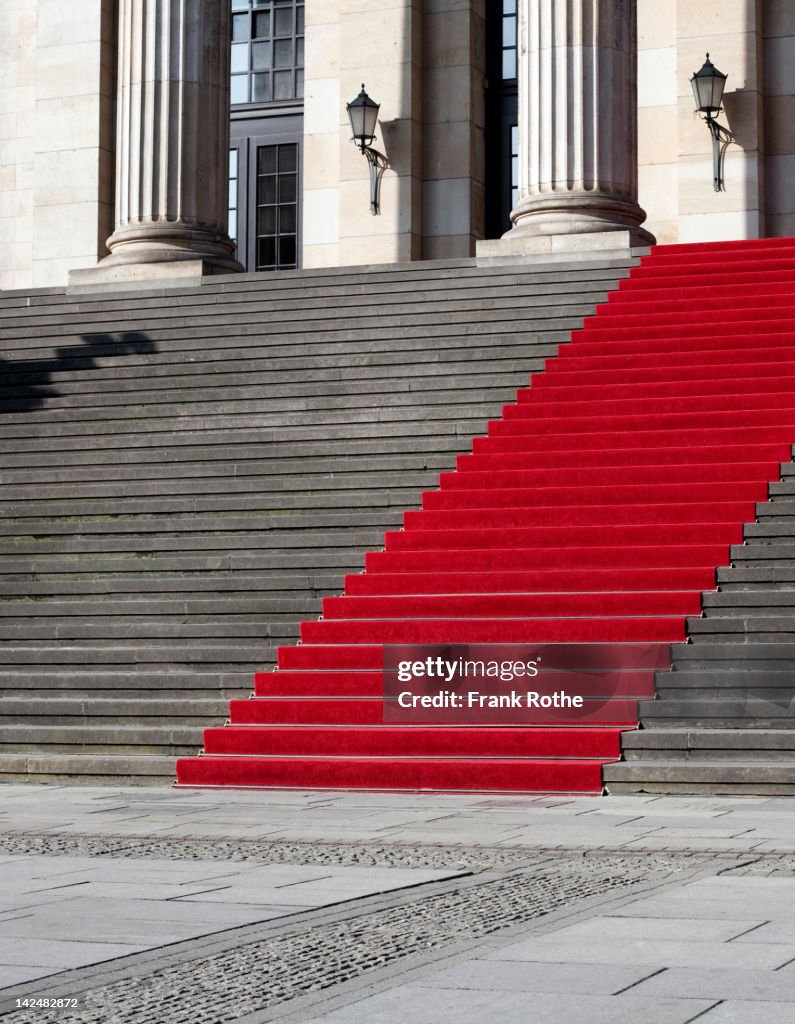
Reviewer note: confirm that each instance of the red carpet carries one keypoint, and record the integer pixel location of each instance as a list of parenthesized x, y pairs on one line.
[(594, 511)]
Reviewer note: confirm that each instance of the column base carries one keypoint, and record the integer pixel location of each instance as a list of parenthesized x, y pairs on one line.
[(147, 275), (517, 245)]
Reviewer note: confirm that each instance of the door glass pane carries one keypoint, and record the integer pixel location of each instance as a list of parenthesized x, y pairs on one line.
[(287, 219), (287, 158), (266, 189), (277, 213), (286, 250), (287, 185), (266, 220), (266, 160), (266, 254)]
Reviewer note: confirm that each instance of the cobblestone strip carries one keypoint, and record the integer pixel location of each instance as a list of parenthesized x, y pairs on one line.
[(402, 855), (263, 974)]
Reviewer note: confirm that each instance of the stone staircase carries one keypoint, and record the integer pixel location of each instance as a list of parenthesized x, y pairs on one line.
[(186, 474)]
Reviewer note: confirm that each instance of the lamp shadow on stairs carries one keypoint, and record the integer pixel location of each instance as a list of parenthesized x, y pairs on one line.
[(27, 384)]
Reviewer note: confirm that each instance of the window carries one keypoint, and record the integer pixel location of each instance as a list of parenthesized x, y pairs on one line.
[(233, 193), (267, 51)]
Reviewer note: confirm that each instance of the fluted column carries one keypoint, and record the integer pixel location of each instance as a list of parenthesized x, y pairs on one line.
[(577, 118), (172, 135)]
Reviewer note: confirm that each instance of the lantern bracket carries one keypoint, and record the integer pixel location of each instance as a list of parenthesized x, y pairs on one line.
[(378, 164), (721, 137)]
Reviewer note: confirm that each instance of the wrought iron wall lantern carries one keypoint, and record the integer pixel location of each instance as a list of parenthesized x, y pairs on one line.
[(363, 115), (708, 85)]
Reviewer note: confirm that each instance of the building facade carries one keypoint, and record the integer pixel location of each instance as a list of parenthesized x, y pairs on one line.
[(120, 113)]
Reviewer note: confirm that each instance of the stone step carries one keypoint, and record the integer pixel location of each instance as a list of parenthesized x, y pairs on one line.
[(112, 683), (197, 585), (751, 680), (730, 776), (750, 744), (113, 711), (166, 657), (764, 627), (135, 769), (275, 629), (277, 562), (218, 543), (194, 609), (715, 710)]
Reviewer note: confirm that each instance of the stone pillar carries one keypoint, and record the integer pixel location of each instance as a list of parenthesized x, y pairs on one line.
[(172, 144), (577, 128)]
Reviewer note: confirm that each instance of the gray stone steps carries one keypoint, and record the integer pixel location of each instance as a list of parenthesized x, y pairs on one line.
[(120, 588), (228, 367), (92, 424), (196, 609), (210, 543), (760, 626), (743, 711), (153, 470), (276, 562), (694, 681), (330, 318), (160, 713), (669, 744), (276, 629), (747, 602), (47, 494), (133, 769), (371, 285), (192, 523), (167, 657), (736, 776), (133, 684), (418, 279)]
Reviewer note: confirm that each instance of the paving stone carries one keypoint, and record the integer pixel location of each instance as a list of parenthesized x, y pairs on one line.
[(736, 1012), (610, 929), (720, 983), (423, 1006), (61, 953), (556, 948), (491, 974)]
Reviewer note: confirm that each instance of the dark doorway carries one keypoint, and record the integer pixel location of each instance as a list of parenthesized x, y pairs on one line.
[(502, 138)]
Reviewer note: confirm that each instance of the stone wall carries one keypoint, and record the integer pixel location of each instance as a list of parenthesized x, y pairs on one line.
[(56, 121), (17, 116)]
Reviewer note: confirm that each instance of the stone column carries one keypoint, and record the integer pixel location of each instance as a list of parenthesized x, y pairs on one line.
[(577, 128), (172, 143)]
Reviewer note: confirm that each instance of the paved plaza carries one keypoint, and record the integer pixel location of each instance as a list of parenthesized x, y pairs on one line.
[(160, 905)]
